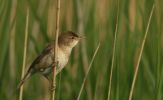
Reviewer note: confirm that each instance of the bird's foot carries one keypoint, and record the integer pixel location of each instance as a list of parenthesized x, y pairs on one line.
[(52, 88)]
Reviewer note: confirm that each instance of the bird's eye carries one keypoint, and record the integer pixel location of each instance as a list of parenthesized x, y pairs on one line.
[(72, 37)]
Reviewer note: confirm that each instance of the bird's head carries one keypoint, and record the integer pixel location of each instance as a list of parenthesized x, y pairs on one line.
[(68, 39)]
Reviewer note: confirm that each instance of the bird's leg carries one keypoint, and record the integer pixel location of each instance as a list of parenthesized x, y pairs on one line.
[(50, 82), (53, 86)]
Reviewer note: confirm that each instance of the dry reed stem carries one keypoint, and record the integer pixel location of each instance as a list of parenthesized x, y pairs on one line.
[(90, 65), (55, 50), (114, 47), (25, 53), (140, 54)]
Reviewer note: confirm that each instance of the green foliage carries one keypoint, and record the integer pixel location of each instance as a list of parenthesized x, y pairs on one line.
[(96, 20)]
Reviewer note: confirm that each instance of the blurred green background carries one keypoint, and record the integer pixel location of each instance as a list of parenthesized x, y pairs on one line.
[(95, 19)]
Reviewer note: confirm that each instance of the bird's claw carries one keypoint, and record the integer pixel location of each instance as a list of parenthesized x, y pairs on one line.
[(52, 88)]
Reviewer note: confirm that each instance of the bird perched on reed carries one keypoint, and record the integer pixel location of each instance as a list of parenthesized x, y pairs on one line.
[(44, 63)]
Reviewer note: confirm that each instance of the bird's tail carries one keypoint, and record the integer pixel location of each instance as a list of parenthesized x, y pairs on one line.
[(27, 75), (14, 91)]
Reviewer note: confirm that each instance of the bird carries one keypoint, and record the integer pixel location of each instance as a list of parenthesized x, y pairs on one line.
[(44, 62)]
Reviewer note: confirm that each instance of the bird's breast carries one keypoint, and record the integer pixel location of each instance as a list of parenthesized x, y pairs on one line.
[(47, 61), (62, 59)]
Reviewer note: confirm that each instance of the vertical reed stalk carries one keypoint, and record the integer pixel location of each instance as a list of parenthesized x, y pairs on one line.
[(55, 50), (25, 53), (90, 65), (140, 54), (114, 47)]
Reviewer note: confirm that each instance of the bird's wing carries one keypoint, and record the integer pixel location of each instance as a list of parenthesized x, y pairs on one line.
[(43, 53), (32, 70)]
